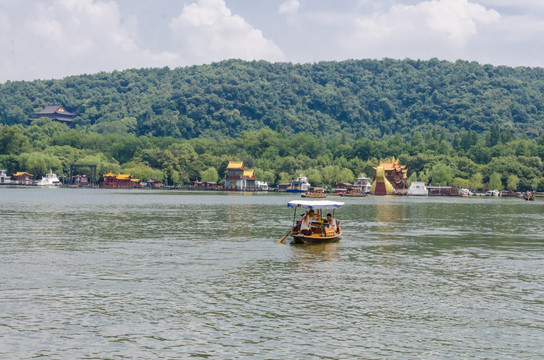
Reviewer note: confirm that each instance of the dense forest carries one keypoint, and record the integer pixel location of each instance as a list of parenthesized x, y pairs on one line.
[(372, 98), (460, 124)]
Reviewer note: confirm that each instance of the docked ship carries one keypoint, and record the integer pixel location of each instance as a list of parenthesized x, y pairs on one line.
[(363, 184), (418, 188), (49, 180), (300, 184)]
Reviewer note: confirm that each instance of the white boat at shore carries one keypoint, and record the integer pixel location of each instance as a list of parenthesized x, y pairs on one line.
[(300, 184), (4, 178), (49, 180), (418, 188)]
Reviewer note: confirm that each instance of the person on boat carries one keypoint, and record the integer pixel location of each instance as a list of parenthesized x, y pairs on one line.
[(306, 223), (332, 222)]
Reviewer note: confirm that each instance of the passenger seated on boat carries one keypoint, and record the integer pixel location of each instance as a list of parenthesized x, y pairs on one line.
[(306, 224), (332, 222)]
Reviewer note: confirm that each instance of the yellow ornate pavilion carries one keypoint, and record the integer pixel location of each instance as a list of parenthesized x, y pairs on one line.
[(394, 174)]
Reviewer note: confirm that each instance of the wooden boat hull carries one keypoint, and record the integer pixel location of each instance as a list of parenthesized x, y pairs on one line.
[(315, 196), (315, 238)]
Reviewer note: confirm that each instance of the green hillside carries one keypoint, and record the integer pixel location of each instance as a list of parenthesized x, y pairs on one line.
[(367, 97)]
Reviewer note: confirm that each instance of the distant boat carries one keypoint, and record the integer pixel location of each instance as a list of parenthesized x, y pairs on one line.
[(49, 180), (465, 193), (529, 196), (316, 193), (300, 184), (493, 193), (363, 184), (418, 188), (4, 178)]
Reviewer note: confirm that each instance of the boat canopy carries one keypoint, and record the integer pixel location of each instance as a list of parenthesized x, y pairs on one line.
[(321, 204)]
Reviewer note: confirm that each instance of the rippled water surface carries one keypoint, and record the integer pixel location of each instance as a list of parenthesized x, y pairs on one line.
[(171, 274)]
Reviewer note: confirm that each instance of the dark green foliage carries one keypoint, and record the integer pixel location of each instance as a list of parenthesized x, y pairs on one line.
[(368, 97)]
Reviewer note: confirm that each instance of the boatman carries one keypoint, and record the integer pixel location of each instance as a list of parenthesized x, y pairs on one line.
[(306, 224)]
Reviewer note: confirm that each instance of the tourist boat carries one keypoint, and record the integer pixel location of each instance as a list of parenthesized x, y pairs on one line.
[(49, 180), (529, 196), (321, 231), (418, 188), (300, 184), (364, 184), (315, 193), (465, 192)]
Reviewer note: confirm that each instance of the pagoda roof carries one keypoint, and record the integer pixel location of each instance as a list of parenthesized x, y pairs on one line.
[(249, 173), (55, 109), (235, 165), (110, 174), (21, 173), (392, 165)]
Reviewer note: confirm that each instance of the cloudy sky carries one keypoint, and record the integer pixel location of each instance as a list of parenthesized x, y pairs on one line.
[(44, 39)]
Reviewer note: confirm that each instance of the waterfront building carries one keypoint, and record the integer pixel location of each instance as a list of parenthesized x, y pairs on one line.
[(22, 178), (112, 180), (239, 178)]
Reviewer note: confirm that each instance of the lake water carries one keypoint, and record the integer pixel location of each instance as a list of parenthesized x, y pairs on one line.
[(171, 274)]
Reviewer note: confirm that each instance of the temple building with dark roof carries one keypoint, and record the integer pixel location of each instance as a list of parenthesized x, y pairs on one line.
[(56, 113)]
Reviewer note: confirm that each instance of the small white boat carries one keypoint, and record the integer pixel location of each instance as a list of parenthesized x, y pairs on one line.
[(4, 178), (465, 192), (49, 180), (418, 188), (493, 193)]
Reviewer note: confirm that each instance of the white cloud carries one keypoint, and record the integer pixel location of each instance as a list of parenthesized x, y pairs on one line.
[(289, 7), (65, 37), (454, 21), (207, 31)]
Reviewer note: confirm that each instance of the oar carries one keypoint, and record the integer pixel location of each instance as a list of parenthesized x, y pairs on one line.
[(282, 240)]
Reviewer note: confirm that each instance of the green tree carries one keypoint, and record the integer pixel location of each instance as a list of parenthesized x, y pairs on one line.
[(412, 178), (477, 181), (12, 140), (495, 182), (460, 183), (512, 182), (38, 163), (284, 178), (441, 174), (210, 174)]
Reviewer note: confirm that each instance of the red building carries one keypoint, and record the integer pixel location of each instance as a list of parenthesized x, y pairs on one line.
[(112, 180), (22, 178)]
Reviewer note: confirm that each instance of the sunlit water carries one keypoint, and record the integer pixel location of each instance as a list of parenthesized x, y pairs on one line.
[(171, 274)]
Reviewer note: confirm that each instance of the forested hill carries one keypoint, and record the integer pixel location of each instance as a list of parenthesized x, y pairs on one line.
[(367, 97)]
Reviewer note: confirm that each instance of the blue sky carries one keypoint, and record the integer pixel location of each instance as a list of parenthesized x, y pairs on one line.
[(44, 39)]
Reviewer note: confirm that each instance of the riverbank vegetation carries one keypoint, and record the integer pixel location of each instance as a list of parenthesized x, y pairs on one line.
[(496, 160)]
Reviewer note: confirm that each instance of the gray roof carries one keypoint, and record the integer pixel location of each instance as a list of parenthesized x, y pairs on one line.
[(54, 109)]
